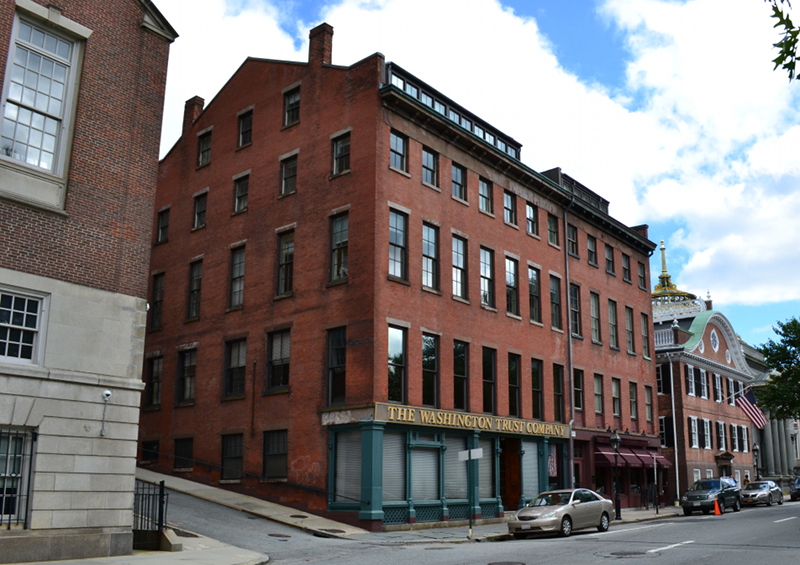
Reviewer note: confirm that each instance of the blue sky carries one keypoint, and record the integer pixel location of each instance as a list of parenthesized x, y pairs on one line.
[(669, 109)]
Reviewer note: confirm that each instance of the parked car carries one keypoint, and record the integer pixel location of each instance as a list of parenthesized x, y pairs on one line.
[(794, 488), (562, 511), (762, 492), (702, 494)]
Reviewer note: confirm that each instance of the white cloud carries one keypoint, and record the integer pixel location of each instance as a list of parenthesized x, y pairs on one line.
[(704, 135)]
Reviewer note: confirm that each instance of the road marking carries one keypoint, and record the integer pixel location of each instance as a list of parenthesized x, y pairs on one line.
[(784, 520), (616, 531), (674, 545)]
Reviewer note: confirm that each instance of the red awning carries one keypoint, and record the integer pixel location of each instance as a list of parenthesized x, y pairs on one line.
[(604, 457), (647, 458), (629, 457)]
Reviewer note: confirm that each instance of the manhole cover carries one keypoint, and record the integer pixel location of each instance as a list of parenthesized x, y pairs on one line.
[(298, 516), (624, 554), (280, 535)]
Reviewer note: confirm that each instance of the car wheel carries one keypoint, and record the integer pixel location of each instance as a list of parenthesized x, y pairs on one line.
[(780, 500), (769, 500), (603, 525), (722, 506), (737, 505), (520, 536), (566, 527), (687, 512)]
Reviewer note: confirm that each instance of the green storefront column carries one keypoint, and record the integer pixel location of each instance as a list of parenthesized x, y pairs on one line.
[(371, 470)]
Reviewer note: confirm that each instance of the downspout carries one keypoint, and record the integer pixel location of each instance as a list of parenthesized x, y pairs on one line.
[(570, 384), (674, 432)]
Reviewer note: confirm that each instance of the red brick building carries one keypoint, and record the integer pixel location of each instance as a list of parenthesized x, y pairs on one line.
[(83, 90), (354, 279)]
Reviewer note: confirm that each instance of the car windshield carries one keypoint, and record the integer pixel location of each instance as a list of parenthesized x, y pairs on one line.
[(551, 499), (758, 486), (705, 485)]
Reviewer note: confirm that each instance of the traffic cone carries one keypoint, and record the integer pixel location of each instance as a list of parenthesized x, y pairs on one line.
[(716, 508)]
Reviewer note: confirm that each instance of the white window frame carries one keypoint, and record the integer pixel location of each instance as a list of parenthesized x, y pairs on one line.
[(732, 395), (745, 447), (707, 433), (724, 435), (690, 382), (39, 340), (709, 473), (719, 392), (693, 432), (735, 441), (697, 474), (23, 182), (703, 384), (662, 430)]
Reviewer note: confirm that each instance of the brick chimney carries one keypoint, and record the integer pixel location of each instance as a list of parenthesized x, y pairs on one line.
[(641, 230), (191, 111), (320, 44)]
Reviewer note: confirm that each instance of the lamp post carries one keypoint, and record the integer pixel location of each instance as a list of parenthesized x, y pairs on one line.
[(756, 450), (616, 441)]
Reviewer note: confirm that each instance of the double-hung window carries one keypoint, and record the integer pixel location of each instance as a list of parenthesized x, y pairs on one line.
[(598, 394), (558, 393), (340, 229), (693, 432), (460, 375), (552, 229), (397, 365), (155, 372), (459, 267), (276, 454), (645, 335), (39, 87), (532, 218), (594, 306), (232, 457), (629, 330), (204, 149), (555, 302), (291, 107), (610, 260), (20, 318), (613, 338), (279, 356), (200, 204), (577, 389), (535, 294), (187, 369), (430, 256), (341, 154), (514, 373), (509, 207), (235, 366), (626, 268), (289, 175), (642, 278), (246, 128), (241, 188), (458, 181), (157, 309), (430, 370), (489, 380), (575, 310), (487, 277), (616, 397), (537, 397), (398, 245), (512, 286), (195, 285), (485, 196), (430, 167), (398, 151), (162, 229), (591, 249), (285, 263), (572, 240), (634, 400), (337, 366), (236, 297)]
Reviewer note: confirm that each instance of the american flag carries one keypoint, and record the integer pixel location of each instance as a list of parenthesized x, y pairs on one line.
[(747, 403)]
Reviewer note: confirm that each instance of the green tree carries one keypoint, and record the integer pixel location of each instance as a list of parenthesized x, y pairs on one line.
[(787, 46), (781, 394)]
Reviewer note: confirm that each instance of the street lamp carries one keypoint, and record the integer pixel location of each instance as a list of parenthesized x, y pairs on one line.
[(616, 441), (756, 450)]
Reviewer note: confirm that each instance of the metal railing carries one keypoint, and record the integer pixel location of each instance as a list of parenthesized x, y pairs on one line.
[(149, 514), (16, 454)]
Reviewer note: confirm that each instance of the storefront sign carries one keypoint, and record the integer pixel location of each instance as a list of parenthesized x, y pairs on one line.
[(442, 418)]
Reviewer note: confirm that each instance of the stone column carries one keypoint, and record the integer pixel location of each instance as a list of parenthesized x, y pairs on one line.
[(782, 442), (790, 456), (767, 457), (776, 448)]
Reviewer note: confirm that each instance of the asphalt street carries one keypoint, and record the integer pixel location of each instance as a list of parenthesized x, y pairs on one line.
[(764, 536)]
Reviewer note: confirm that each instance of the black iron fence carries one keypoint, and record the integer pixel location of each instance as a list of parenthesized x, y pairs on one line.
[(149, 514)]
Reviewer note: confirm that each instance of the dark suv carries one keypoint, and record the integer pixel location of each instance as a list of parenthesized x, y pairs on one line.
[(794, 488), (702, 494)]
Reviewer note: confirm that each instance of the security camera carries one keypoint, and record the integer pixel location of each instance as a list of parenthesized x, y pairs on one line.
[(106, 395)]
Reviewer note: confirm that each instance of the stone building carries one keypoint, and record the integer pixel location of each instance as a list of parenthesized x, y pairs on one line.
[(83, 86), (355, 279)]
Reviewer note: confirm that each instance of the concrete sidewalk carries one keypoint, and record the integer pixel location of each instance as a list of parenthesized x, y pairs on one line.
[(324, 527)]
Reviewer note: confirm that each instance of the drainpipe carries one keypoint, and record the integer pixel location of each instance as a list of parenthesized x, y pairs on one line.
[(571, 448), (674, 432)]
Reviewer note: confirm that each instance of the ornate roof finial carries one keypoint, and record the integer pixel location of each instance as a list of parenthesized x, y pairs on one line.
[(666, 290)]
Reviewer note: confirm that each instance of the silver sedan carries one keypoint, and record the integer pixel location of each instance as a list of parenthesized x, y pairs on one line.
[(762, 492), (562, 511)]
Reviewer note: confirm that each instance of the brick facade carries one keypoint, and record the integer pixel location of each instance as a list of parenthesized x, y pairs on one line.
[(360, 102)]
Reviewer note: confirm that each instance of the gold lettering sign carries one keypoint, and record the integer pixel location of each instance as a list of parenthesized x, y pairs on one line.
[(459, 420)]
